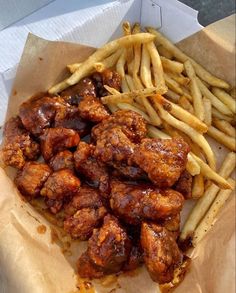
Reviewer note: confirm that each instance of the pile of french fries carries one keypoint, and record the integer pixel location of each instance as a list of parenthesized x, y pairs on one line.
[(178, 98)]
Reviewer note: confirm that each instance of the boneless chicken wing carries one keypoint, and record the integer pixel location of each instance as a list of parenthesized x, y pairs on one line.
[(62, 160), (85, 87), (31, 178), (54, 140), (184, 184), (18, 145), (162, 159), (136, 202), (161, 252)]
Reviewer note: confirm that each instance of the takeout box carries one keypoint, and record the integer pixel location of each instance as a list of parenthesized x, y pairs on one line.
[(29, 260)]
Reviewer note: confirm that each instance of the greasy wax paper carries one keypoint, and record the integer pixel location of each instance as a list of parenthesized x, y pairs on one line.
[(31, 262)]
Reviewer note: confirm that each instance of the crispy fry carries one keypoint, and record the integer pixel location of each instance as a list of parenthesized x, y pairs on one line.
[(179, 55), (73, 67), (186, 93), (164, 52), (155, 119), (207, 111), (219, 115), (172, 84), (233, 92), (192, 166), (100, 54), (145, 70), (126, 106), (113, 108), (206, 200), (186, 105), (208, 221), (156, 64), (115, 97), (223, 138), (178, 77), (171, 65), (172, 95), (126, 28), (180, 113), (124, 86), (139, 106), (225, 98), (120, 65), (198, 186), (99, 66), (224, 126), (214, 100), (130, 82)]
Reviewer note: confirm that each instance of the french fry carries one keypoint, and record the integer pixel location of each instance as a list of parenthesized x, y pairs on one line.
[(124, 86), (187, 93), (163, 52), (139, 106), (73, 67), (233, 92), (171, 65), (137, 58), (120, 65), (214, 100), (219, 115), (178, 77), (99, 66), (192, 166), (207, 111), (206, 200), (222, 138), (125, 106), (109, 62), (145, 69), (195, 91), (224, 126), (173, 85), (113, 108), (130, 82), (225, 98), (111, 90), (180, 113), (114, 99), (172, 95), (191, 132), (198, 186), (129, 49), (209, 219), (185, 104), (100, 54), (156, 65), (155, 119), (180, 56)]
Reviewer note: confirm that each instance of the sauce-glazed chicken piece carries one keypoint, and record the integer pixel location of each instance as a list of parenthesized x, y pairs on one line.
[(18, 146), (131, 123), (87, 269), (135, 258), (95, 172), (162, 159), (31, 178), (184, 184), (54, 140), (108, 249), (85, 87), (84, 213), (61, 184), (91, 109), (39, 113), (161, 252), (62, 160), (136, 202), (122, 170)]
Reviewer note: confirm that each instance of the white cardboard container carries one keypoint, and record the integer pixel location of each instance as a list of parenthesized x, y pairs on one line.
[(90, 22)]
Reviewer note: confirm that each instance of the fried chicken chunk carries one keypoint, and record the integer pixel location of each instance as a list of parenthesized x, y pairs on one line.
[(18, 146), (54, 140), (91, 109), (135, 258), (161, 252), (122, 170), (131, 123), (184, 184), (61, 184), (134, 203), (95, 172), (162, 159), (85, 87), (84, 213), (62, 160), (108, 250), (31, 178), (87, 269), (38, 113)]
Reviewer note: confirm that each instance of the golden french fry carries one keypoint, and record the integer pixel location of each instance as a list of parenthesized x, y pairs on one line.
[(206, 200), (173, 85), (136, 28), (156, 65), (214, 100), (100, 54), (209, 219), (73, 67), (187, 93), (171, 65), (124, 86), (185, 104), (130, 82), (198, 186), (233, 92), (114, 99), (179, 55), (178, 77), (180, 113), (223, 138), (111, 90), (224, 126), (125, 106), (126, 28), (139, 106), (155, 119), (99, 66), (120, 65), (225, 98), (207, 111), (163, 52), (192, 166), (113, 108), (172, 95), (219, 115), (145, 69)]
